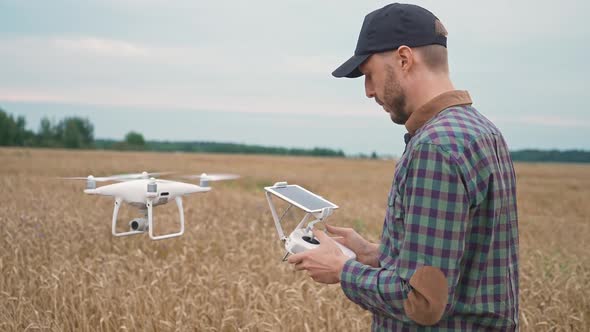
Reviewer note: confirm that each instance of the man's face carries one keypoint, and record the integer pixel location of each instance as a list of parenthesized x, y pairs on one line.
[(382, 84)]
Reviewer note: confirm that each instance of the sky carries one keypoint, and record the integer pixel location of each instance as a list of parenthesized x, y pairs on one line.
[(259, 71)]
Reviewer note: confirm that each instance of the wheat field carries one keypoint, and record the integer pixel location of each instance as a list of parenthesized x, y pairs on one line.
[(62, 270)]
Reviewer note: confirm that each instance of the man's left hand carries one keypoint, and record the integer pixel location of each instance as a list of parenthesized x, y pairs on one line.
[(323, 264)]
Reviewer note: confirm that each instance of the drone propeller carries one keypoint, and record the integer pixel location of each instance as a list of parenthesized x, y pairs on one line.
[(120, 177), (90, 177), (137, 176), (213, 177), (205, 178)]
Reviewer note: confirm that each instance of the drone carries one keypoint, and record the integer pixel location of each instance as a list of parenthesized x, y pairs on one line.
[(301, 238), (145, 191)]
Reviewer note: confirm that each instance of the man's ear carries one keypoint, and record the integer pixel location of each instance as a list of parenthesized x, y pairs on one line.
[(405, 58)]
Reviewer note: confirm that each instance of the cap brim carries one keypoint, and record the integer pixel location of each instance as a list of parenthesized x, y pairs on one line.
[(350, 68)]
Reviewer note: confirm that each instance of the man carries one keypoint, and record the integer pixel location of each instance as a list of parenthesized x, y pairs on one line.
[(448, 256)]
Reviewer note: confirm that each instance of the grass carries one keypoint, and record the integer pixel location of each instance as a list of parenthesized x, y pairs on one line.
[(62, 270)]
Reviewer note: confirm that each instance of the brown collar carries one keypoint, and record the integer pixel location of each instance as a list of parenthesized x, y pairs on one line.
[(441, 102)]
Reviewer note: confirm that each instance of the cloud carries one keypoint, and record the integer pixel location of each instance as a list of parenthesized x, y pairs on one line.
[(545, 121), (100, 71), (101, 47), (32, 96), (553, 121), (212, 58), (166, 100), (310, 64)]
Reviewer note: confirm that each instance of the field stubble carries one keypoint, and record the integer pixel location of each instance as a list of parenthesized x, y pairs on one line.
[(63, 270)]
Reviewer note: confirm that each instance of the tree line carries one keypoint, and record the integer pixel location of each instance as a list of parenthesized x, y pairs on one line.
[(70, 132), (567, 156), (78, 133), (217, 147)]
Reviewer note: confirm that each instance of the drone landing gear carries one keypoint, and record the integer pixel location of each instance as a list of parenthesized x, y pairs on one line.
[(141, 225), (151, 220), (118, 202)]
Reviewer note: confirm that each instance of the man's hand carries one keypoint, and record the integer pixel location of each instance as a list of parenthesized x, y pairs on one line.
[(366, 252), (323, 264)]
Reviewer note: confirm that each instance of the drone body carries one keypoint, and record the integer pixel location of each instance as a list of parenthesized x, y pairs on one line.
[(145, 192), (137, 192)]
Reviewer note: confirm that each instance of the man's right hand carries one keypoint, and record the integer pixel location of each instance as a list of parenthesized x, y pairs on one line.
[(366, 252)]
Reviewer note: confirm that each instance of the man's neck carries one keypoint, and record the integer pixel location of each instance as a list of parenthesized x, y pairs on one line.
[(426, 89)]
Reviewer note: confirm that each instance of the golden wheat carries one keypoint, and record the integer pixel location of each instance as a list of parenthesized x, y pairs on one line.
[(62, 270)]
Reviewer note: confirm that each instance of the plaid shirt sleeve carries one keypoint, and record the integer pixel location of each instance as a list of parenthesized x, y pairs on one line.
[(435, 215)]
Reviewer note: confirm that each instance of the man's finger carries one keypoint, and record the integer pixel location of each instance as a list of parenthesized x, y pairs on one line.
[(320, 235), (339, 239), (296, 259), (300, 266), (337, 230)]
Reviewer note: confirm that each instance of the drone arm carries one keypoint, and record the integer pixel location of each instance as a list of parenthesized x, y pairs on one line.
[(151, 223)]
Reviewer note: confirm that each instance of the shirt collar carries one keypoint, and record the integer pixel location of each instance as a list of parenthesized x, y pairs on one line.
[(437, 104)]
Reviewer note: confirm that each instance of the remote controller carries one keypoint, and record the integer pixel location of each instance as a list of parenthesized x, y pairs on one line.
[(314, 206), (299, 241)]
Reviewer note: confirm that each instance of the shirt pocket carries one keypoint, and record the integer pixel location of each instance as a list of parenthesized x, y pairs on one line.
[(395, 222), (395, 205), (398, 208), (391, 197)]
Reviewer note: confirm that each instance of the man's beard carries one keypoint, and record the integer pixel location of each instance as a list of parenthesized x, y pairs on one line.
[(394, 98)]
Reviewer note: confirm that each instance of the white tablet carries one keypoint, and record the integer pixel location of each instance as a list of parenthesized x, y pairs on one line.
[(300, 197)]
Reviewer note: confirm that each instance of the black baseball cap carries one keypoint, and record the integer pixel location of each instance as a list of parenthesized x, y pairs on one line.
[(387, 29)]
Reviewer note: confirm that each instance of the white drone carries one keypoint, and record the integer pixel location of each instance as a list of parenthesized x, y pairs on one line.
[(144, 191), (301, 239)]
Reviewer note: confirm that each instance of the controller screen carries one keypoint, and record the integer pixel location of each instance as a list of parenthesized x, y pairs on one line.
[(297, 195)]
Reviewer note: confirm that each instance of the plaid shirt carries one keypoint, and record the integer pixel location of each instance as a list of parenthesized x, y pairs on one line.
[(452, 206)]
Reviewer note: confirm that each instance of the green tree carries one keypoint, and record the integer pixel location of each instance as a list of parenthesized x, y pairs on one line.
[(47, 136), (75, 133), (7, 128), (135, 139), (14, 132)]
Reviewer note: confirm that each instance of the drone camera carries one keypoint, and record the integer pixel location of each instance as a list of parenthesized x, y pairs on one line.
[(138, 225)]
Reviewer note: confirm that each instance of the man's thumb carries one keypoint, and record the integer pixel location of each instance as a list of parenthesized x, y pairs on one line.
[(320, 235), (336, 230)]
